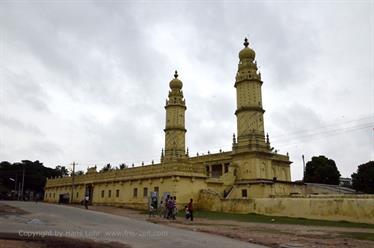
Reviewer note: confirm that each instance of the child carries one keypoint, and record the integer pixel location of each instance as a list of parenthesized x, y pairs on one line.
[(187, 213), (161, 209), (151, 211)]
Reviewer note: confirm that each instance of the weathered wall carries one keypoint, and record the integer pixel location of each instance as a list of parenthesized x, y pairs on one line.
[(184, 188), (267, 189), (359, 208)]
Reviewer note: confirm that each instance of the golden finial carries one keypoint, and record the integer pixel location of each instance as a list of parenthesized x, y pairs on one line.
[(246, 42)]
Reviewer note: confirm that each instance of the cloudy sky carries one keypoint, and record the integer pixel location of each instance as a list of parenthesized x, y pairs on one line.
[(86, 81)]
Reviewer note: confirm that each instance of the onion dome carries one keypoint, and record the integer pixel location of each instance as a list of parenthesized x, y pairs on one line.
[(175, 83), (246, 52)]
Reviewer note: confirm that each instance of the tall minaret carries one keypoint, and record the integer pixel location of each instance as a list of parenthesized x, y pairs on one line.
[(174, 129), (249, 112)]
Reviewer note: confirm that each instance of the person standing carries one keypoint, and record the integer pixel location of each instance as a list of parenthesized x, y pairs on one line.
[(160, 209), (174, 207), (170, 208), (190, 209), (153, 207), (86, 199), (166, 209)]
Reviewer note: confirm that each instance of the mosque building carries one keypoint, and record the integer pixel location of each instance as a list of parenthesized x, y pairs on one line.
[(252, 169)]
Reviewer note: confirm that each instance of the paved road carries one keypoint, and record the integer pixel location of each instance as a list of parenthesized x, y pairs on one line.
[(50, 219)]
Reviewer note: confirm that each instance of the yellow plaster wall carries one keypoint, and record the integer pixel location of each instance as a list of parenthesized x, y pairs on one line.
[(187, 188), (182, 187), (356, 208), (250, 166)]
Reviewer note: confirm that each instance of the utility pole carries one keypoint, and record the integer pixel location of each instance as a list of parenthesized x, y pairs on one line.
[(23, 180), (19, 191), (303, 167), (72, 184), (15, 184)]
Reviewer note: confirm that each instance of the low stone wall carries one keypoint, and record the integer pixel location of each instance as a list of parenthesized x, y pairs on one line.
[(359, 208)]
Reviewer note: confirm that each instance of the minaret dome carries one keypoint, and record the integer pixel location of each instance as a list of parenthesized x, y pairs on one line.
[(247, 52), (176, 83)]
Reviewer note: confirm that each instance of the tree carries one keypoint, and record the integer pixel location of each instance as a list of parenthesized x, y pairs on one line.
[(321, 170), (107, 167), (35, 176), (79, 173), (363, 180), (122, 166), (61, 170)]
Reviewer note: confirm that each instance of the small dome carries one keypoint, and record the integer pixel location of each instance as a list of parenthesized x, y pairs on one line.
[(246, 52), (176, 83)]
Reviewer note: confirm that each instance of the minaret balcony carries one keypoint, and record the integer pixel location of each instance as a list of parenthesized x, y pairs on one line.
[(247, 77), (173, 128), (171, 104), (254, 108)]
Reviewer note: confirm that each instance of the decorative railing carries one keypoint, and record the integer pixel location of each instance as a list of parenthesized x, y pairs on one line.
[(212, 157), (133, 173)]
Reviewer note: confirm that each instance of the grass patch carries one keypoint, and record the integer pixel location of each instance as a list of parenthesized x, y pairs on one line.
[(258, 218), (358, 235)]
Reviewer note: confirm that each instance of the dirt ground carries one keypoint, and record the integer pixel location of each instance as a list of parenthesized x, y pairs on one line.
[(9, 210), (272, 235), (56, 243), (13, 240)]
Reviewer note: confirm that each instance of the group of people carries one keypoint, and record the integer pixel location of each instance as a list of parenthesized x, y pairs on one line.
[(168, 208)]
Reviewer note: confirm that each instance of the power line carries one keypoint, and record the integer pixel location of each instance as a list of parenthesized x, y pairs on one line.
[(340, 129), (324, 126), (335, 132)]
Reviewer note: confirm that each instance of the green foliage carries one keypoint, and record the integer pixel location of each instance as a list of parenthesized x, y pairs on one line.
[(259, 218), (106, 168), (358, 235), (61, 170), (363, 180), (35, 175), (79, 173), (321, 170)]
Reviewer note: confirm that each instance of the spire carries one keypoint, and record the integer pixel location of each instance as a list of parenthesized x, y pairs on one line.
[(246, 42), (162, 155), (175, 83), (247, 52)]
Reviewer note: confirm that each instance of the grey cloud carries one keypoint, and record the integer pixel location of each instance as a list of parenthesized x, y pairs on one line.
[(18, 125), (100, 54), (45, 148), (65, 40), (22, 87)]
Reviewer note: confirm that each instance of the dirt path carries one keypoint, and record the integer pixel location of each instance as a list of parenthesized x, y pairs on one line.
[(52, 220), (10, 240), (14, 240), (272, 235)]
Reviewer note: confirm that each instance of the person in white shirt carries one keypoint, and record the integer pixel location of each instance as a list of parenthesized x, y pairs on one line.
[(86, 199)]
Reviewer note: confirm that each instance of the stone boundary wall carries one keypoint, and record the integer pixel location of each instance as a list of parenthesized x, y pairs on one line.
[(335, 207)]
